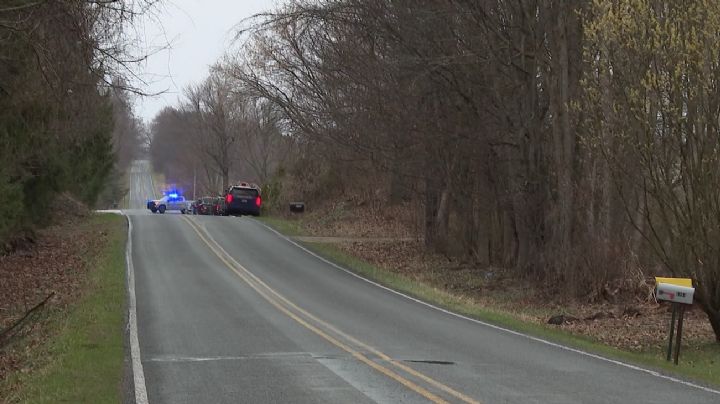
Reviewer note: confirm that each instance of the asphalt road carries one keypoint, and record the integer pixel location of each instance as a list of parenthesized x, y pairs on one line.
[(228, 311), (141, 184)]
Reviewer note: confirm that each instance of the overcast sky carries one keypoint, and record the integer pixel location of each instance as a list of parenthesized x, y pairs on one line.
[(198, 33)]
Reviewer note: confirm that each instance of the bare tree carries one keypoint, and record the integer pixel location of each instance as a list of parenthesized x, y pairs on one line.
[(261, 146), (219, 121)]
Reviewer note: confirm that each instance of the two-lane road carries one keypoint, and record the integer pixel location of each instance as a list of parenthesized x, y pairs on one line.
[(142, 187), (229, 311)]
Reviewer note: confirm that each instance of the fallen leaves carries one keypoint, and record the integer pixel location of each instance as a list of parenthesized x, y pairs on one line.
[(54, 263)]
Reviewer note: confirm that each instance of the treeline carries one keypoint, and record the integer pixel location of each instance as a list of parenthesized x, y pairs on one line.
[(66, 123), (575, 142), (220, 134)]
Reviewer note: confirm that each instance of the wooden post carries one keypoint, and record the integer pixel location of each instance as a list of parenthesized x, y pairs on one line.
[(679, 333), (672, 331)]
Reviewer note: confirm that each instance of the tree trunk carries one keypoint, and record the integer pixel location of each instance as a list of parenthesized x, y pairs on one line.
[(607, 144), (564, 136), (714, 318), (225, 178), (480, 231), (707, 294), (638, 229), (509, 249), (523, 237), (398, 190), (431, 209), (442, 221), (713, 313)]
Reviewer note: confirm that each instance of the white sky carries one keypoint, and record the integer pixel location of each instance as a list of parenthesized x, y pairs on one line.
[(198, 33)]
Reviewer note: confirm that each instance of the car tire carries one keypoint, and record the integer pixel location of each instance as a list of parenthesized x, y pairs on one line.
[(161, 209), (153, 210)]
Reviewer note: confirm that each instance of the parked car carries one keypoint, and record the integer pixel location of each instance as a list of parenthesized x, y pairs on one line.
[(205, 206), (219, 208), (243, 199)]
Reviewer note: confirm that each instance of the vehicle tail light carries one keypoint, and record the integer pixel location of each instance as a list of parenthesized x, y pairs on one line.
[(258, 201), (228, 198)]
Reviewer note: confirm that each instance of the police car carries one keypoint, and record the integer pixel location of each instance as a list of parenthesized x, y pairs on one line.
[(171, 201), (243, 199)]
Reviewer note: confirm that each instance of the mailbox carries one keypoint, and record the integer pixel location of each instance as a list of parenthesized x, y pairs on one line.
[(680, 292), (297, 207), (675, 293)]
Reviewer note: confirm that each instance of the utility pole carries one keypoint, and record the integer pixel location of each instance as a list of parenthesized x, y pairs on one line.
[(194, 180)]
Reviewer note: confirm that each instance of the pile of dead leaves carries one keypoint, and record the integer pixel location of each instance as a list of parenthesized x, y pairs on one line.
[(347, 220), (636, 327)]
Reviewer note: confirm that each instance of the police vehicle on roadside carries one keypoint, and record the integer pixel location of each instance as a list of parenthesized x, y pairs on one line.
[(171, 201)]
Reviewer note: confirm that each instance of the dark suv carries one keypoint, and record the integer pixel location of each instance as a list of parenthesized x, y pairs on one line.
[(243, 199)]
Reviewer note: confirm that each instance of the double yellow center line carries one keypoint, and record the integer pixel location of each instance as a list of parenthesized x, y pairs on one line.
[(340, 339)]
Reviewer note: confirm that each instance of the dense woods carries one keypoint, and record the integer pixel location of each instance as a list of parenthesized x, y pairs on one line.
[(572, 142), (66, 122)]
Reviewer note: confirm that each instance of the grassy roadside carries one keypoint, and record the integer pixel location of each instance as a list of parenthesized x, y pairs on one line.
[(287, 227), (701, 363), (82, 360)]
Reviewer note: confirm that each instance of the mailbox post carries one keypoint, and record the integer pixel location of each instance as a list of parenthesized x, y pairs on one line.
[(679, 292)]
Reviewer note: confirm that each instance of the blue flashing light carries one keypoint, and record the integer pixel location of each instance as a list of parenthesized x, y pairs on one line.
[(173, 193)]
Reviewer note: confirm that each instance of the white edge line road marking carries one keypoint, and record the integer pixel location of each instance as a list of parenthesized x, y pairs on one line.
[(138, 373), (496, 327)]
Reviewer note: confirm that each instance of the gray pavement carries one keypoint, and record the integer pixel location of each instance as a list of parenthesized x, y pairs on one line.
[(229, 311), (141, 184)]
